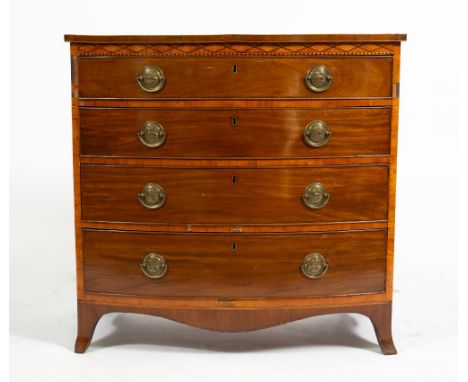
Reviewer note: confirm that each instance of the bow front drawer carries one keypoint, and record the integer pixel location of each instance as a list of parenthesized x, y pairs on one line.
[(235, 77), (234, 133), (238, 266), (234, 196)]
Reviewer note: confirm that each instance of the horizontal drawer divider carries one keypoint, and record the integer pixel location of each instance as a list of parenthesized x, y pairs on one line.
[(232, 103), (225, 228), (237, 163), (234, 303)]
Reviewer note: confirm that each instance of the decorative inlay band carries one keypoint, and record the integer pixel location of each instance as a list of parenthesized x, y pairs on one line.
[(367, 49)]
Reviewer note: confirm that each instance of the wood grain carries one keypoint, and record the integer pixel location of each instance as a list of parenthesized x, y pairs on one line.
[(75, 114), (393, 174), (235, 103), (255, 133), (247, 228), (201, 77), (204, 211), (238, 163), (237, 320), (259, 196), (235, 38), (263, 302), (234, 266)]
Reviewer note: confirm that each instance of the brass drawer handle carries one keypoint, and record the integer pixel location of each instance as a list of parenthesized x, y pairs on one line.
[(318, 78), (151, 79), (152, 134), (152, 196), (316, 134), (315, 196), (153, 266), (314, 266)]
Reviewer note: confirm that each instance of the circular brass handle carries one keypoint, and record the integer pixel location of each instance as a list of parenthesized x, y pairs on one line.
[(316, 134), (315, 196), (314, 266), (153, 266), (151, 79), (318, 78), (152, 134), (152, 196)]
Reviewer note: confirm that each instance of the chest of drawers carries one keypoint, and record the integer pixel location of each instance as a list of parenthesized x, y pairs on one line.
[(235, 182)]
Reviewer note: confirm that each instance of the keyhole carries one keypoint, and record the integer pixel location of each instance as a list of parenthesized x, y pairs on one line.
[(234, 245), (234, 179), (234, 68), (234, 120)]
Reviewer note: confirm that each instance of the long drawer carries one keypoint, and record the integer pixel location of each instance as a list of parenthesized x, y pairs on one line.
[(235, 77), (230, 266), (234, 196), (234, 133)]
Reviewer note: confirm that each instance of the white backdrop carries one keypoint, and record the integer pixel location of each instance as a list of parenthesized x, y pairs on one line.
[(42, 294)]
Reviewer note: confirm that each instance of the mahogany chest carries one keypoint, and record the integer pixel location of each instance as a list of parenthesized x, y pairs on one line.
[(235, 182)]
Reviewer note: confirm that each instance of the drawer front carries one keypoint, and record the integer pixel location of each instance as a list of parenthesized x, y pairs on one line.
[(234, 133), (233, 77), (236, 266), (233, 196)]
